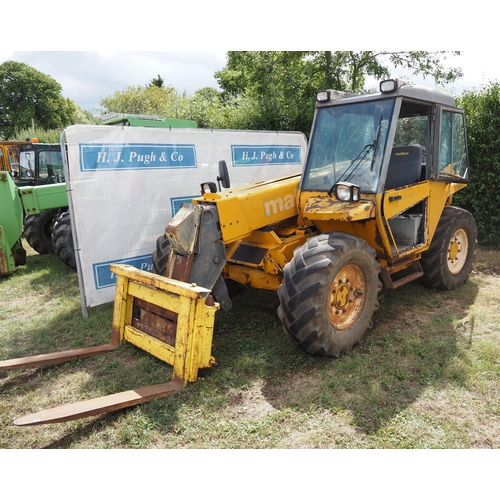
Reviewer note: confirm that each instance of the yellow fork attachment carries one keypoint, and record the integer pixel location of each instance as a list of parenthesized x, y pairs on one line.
[(169, 319)]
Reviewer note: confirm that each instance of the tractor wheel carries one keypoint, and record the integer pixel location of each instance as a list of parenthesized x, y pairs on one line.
[(448, 261), (329, 293), (38, 230), (160, 255), (62, 240)]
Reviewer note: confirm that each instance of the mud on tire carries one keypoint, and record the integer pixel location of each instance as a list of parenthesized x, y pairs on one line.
[(448, 261), (329, 293)]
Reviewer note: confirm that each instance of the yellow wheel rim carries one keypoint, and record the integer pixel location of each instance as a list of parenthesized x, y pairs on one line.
[(457, 251), (346, 297)]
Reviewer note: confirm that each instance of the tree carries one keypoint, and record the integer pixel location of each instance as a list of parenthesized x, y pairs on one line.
[(282, 85), (209, 110), (29, 98), (157, 82), (164, 102), (54, 135), (482, 196)]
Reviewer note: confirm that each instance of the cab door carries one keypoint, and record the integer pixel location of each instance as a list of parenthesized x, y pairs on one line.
[(407, 188)]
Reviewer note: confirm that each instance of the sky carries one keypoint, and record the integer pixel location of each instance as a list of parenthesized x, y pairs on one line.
[(104, 47), (87, 77)]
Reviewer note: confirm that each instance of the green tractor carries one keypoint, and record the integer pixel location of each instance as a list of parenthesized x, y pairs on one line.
[(16, 204), (40, 164)]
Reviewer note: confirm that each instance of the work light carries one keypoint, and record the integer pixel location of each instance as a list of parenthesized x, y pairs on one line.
[(345, 191), (388, 86), (323, 96)]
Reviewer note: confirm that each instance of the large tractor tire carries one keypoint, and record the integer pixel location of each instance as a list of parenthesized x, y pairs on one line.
[(38, 230), (62, 240), (329, 293), (448, 261), (160, 255)]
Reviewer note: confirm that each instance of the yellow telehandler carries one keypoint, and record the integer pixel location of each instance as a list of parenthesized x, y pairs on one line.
[(374, 200), (372, 206)]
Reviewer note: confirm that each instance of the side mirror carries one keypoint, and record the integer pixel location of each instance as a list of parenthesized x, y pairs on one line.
[(223, 176)]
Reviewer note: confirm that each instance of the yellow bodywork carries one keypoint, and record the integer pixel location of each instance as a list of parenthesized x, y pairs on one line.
[(9, 157), (262, 224), (195, 320), (259, 222), (369, 218), (243, 210)]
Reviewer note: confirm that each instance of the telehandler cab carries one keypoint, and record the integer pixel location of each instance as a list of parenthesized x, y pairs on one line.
[(373, 205)]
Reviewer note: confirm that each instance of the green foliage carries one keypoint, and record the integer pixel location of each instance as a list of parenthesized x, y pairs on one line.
[(154, 100), (28, 98), (276, 90), (157, 82), (84, 117), (54, 135), (482, 196), (49, 136), (210, 109), (272, 90)]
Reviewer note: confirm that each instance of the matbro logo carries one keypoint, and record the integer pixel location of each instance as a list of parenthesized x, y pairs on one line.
[(279, 205)]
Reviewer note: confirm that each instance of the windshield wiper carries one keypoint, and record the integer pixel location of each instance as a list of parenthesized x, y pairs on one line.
[(375, 143), (353, 165)]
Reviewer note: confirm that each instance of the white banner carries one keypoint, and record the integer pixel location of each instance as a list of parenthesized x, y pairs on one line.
[(125, 184)]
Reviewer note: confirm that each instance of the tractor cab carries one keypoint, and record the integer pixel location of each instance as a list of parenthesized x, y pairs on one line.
[(39, 163), (374, 160)]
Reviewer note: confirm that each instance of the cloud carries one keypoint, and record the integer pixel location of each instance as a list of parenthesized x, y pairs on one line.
[(88, 76)]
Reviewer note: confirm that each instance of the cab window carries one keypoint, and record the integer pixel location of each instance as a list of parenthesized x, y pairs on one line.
[(453, 162)]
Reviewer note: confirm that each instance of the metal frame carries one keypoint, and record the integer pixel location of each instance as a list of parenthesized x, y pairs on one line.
[(145, 303)]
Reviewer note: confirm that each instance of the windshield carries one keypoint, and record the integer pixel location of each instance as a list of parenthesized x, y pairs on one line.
[(27, 164), (50, 166), (347, 144)]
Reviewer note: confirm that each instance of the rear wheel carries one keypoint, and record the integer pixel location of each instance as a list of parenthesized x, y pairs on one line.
[(38, 230), (62, 240), (329, 293), (448, 262)]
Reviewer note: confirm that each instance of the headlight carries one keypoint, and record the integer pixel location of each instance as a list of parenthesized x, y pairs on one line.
[(323, 96), (345, 191), (208, 187), (388, 86)]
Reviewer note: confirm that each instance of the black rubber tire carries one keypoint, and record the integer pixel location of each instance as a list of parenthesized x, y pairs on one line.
[(160, 255), (448, 261), (38, 230), (309, 295), (62, 240)]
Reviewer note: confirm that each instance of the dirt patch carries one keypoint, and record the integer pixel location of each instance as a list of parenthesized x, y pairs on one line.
[(490, 270), (487, 262), (250, 403)]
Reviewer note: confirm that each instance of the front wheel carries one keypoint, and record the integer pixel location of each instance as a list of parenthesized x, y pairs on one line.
[(329, 293), (38, 230), (448, 261), (160, 255)]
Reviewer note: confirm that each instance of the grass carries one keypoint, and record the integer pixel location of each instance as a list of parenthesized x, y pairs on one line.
[(427, 375)]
